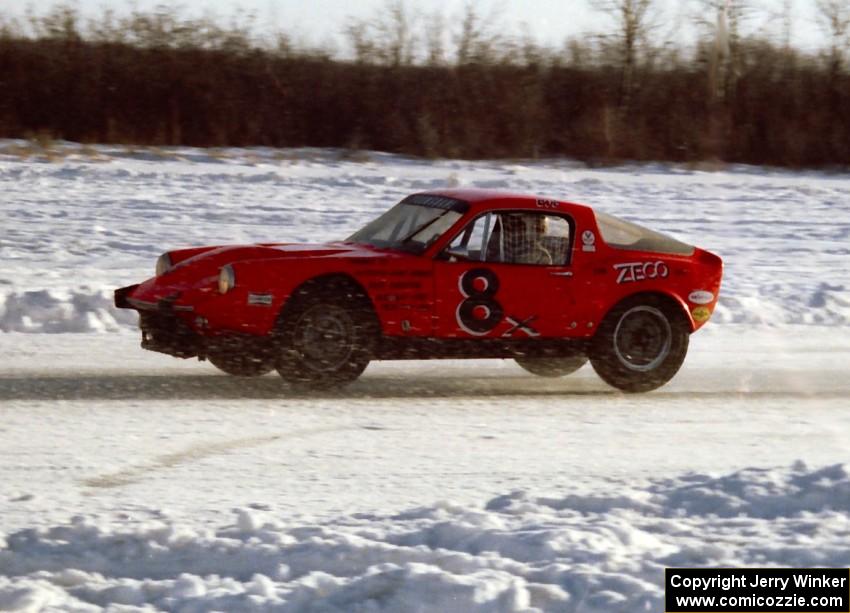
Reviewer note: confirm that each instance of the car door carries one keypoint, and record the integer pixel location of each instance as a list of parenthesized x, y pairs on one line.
[(506, 275)]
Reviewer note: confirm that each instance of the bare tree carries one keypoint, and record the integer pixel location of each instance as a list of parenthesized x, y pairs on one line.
[(635, 19), (435, 39), (722, 22), (61, 23), (578, 53), (834, 19), (787, 23), (387, 38), (720, 63), (396, 34), (477, 39), (359, 37)]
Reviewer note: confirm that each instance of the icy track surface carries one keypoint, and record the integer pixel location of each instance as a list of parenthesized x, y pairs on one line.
[(131, 481)]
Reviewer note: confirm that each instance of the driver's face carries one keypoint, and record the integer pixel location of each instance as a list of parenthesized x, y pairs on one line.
[(537, 225)]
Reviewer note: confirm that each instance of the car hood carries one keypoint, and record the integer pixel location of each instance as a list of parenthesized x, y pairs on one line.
[(213, 258), (197, 269)]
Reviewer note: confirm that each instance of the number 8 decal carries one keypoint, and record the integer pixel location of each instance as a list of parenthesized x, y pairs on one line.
[(480, 312)]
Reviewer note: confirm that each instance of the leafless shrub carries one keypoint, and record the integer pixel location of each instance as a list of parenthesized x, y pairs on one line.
[(476, 38), (834, 20), (388, 37)]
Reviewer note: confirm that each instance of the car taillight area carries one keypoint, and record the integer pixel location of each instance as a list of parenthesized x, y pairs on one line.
[(702, 298)]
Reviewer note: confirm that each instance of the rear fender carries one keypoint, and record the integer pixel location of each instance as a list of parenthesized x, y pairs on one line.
[(674, 302)]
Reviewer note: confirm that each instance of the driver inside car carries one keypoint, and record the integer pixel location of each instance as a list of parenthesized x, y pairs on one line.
[(522, 239)]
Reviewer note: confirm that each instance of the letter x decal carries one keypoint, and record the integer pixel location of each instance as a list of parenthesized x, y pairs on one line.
[(521, 325)]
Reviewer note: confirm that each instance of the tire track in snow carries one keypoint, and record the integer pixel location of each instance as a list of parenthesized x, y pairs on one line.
[(196, 453)]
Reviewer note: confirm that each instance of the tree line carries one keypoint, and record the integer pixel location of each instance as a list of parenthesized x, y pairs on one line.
[(427, 89)]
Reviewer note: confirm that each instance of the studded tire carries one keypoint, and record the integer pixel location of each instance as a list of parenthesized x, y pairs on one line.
[(552, 367), (241, 364), (326, 335), (641, 343)]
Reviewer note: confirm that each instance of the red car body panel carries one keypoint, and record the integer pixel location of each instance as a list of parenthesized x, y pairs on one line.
[(423, 295)]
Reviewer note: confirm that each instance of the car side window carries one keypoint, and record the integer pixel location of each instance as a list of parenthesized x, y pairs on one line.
[(469, 244), (515, 237)]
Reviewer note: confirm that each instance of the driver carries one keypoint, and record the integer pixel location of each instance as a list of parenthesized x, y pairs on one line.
[(523, 236)]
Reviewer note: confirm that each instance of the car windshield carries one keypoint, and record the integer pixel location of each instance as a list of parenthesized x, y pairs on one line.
[(411, 225)]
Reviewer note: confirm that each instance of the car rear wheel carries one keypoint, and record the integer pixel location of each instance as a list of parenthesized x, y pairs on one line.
[(326, 335), (241, 364), (641, 344), (552, 367)]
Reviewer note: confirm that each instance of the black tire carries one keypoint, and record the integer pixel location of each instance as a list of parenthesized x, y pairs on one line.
[(552, 367), (641, 343), (326, 335), (241, 364)]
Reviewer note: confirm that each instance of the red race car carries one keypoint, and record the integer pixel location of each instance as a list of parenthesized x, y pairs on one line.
[(444, 274)]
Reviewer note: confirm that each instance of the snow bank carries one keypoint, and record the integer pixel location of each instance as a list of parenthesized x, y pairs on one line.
[(102, 215), (58, 311), (518, 552)]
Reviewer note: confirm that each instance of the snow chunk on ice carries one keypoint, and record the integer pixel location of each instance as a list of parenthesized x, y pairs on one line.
[(764, 494)]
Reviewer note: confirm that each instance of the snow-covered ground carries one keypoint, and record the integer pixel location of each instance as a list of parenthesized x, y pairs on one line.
[(135, 481)]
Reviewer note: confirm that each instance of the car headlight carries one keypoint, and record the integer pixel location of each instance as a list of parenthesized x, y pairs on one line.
[(226, 279), (163, 264)]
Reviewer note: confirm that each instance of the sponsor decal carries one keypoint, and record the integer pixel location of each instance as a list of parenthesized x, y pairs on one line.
[(700, 296), (260, 299), (547, 204), (629, 272), (701, 314), (588, 240)]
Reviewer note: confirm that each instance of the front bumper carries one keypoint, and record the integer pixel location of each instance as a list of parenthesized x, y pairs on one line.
[(166, 333), (165, 330), (162, 329)]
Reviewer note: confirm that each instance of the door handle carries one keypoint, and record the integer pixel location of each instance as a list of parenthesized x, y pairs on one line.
[(562, 274)]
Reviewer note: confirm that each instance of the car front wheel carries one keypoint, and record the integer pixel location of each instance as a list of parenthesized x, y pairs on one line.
[(641, 344), (241, 364), (326, 336)]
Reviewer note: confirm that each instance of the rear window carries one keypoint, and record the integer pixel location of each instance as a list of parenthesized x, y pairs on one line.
[(621, 234)]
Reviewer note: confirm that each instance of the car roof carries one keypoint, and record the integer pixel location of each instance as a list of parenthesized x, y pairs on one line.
[(481, 198)]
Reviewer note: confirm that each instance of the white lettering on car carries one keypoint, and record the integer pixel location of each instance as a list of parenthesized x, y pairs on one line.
[(630, 272), (547, 204)]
